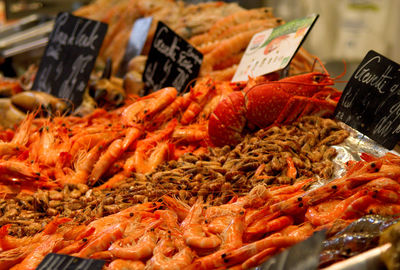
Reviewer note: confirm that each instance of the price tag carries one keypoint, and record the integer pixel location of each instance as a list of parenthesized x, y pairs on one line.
[(273, 49), (302, 256), (172, 61), (136, 42), (69, 57), (55, 261), (370, 101)]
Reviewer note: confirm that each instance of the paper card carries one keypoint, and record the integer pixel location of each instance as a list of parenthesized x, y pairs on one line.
[(273, 49), (370, 101), (172, 61), (69, 57)]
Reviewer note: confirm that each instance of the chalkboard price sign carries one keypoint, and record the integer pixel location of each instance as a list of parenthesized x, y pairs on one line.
[(172, 61), (69, 57), (370, 101), (55, 261)]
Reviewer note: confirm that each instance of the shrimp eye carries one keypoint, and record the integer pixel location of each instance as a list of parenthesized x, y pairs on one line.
[(318, 78)]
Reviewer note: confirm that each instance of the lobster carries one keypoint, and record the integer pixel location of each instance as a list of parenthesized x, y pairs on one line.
[(272, 102)]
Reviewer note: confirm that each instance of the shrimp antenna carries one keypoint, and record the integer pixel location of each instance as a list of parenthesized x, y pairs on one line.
[(343, 73), (189, 83)]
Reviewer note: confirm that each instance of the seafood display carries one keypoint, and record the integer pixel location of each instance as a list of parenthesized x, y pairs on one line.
[(108, 146), (219, 176), (244, 232), (285, 155)]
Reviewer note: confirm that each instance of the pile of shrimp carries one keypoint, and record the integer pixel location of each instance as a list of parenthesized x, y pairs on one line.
[(108, 146), (241, 234)]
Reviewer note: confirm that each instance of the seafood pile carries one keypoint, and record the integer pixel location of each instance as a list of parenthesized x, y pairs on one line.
[(242, 233), (281, 155), (108, 146)]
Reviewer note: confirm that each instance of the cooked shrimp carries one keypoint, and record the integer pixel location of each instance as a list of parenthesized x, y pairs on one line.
[(142, 249), (119, 264), (113, 152), (103, 241)]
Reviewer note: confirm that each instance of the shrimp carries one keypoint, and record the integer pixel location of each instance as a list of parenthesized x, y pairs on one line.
[(113, 152), (119, 264), (244, 253), (199, 94), (132, 134), (33, 259), (330, 210), (225, 23), (191, 133), (259, 258), (143, 248), (260, 24), (225, 49), (180, 208), (15, 171), (148, 106), (179, 260), (193, 231), (103, 241), (261, 227), (180, 104)]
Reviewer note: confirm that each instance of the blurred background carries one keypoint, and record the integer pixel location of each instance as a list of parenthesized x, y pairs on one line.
[(345, 31)]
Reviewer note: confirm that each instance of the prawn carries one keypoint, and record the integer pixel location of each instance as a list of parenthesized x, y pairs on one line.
[(113, 152), (120, 264)]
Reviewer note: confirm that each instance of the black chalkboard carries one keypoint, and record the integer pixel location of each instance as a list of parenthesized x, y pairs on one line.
[(172, 61), (55, 261), (69, 57), (302, 256), (370, 101)]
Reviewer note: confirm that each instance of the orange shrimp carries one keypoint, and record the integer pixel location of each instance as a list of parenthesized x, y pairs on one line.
[(193, 232), (132, 134), (179, 260), (291, 171), (199, 94), (15, 171), (103, 241), (246, 252), (232, 237), (180, 104), (330, 210), (113, 152), (260, 227), (33, 259), (143, 248), (259, 258), (119, 264), (148, 106), (180, 208), (191, 133), (358, 207)]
